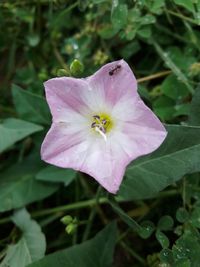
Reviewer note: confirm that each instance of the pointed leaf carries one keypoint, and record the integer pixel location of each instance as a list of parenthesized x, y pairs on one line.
[(13, 130), (97, 252), (18, 185), (194, 115), (30, 107), (54, 174), (31, 246), (177, 156)]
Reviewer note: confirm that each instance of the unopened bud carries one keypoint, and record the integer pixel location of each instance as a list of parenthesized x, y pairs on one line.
[(66, 219), (62, 72), (70, 228), (76, 68)]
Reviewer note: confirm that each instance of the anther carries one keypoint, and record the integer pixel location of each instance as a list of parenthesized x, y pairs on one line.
[(96, 117)]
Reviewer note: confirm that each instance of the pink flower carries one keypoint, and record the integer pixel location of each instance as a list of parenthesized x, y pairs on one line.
[(100, 124)]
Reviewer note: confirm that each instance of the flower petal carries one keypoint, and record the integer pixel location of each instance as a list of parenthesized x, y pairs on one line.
[(105, 162), (65, 145), (111, 88), (63, 96), (144, 132)]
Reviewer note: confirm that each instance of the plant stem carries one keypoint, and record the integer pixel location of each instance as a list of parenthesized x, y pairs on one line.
[(154, 76), (132, 252), (77, 205), (91, 217), (181, 16)]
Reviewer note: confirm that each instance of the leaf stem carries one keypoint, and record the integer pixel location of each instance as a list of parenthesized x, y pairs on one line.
[(133, 253)]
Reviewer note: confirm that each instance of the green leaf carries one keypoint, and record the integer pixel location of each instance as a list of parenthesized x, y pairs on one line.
[(119, 16), (164, 107), (31, 246), (170, 63), (148, 19), (194, 114), (107, 32), (165, 223), (177, 156), (182, 109), (166, 256), (97, 252), (147, 228), (54, 174), (19, 187), (13, 130), (30, 107), (195, 217), (182, 60), (173, 88), (182, 215), (162, 239), (144, 32), (187, 247), (186, 4)]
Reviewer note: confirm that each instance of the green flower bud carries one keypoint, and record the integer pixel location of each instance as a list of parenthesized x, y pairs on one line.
[(66, 219), (62, 72), (76, 67), (71, 228)]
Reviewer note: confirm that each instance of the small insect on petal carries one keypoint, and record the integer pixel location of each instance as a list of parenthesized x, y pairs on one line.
[(114, 70)]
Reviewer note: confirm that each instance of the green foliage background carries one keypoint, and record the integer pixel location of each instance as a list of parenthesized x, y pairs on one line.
[(157, 210)]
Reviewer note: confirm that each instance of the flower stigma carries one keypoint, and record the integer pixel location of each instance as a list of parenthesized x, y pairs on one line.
[(102, 124)]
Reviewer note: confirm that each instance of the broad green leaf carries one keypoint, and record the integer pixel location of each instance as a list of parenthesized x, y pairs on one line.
[(173, 88), (97, 252), (54, 174), (186, 4), (31, 246), (180, 58), (156, 6), (119, 16), (194, 115), (177, 156), (170, 63), (13, 130), (19, 187), (30, 107), (164, 107)]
